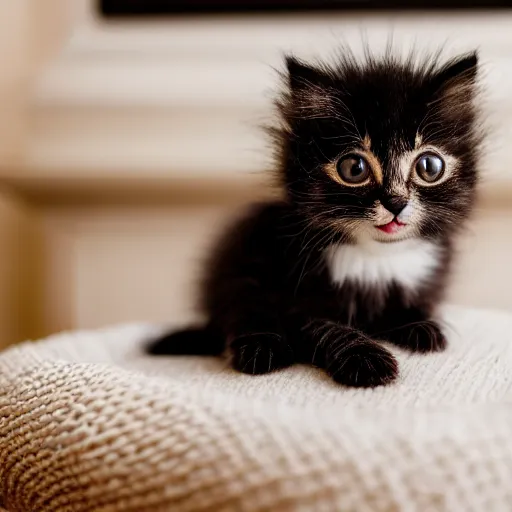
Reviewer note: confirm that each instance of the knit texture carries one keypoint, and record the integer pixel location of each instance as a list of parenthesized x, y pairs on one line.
[(89, 423)]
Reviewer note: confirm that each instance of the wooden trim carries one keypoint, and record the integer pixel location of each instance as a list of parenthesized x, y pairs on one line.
[(150, 106), (21, 271)]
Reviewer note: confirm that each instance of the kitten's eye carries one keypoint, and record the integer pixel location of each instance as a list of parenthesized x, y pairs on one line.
[(429, 167), (353, 169)]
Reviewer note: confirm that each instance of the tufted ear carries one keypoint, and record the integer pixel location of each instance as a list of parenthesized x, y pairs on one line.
[(302, 76), (457, 77)]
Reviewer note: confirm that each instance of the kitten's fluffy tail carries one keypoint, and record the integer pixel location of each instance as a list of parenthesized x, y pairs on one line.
[(194, 341)]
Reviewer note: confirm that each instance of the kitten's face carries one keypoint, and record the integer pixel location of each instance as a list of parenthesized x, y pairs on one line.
[(384, 151)]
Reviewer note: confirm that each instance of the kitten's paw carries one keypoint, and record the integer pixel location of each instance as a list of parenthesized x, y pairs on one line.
[(257, 353), (420, 337), (363, 364)]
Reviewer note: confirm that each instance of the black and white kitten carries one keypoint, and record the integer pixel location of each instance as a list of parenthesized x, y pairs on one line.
[(378, 164)]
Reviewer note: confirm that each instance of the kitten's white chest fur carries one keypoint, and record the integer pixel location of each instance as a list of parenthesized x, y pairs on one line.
[(407, 263)]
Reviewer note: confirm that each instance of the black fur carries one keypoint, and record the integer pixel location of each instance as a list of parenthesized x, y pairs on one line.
[(268, 293)]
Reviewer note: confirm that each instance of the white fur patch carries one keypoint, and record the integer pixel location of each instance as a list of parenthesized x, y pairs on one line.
[(407, 262)]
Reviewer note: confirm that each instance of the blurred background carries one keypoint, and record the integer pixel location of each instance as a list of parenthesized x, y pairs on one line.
[(129, 135)]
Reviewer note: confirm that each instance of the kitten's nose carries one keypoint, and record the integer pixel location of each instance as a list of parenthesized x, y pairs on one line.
[(395, 204)]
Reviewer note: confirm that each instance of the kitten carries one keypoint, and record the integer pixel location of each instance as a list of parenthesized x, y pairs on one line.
[(378, 164)]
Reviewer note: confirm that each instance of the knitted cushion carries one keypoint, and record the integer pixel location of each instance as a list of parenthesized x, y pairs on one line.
[(89, 423)]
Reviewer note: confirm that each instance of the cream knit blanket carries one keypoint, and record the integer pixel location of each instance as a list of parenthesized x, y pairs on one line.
[(88, 423)]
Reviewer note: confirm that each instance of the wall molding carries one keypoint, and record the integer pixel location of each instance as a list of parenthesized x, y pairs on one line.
[(159, 102)]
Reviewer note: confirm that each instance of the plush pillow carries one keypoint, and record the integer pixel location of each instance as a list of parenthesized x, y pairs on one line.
[(89, 423)]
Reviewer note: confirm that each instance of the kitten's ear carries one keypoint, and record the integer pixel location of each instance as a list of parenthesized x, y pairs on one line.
[(310, 91), (457, 77), (302, 76)]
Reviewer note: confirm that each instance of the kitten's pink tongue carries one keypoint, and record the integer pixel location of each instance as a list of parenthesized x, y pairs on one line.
[(391, 227)]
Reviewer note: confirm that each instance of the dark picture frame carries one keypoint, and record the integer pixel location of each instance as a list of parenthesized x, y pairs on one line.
[(121, 8)]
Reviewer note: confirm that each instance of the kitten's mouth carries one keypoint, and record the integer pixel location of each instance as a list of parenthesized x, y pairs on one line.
[(391, 227)]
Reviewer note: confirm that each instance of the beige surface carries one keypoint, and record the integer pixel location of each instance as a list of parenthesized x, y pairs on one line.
[(88, 424)]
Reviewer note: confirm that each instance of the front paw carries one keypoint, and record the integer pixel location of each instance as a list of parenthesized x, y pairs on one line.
[(425, 336), (257, 353), (362, 364)]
